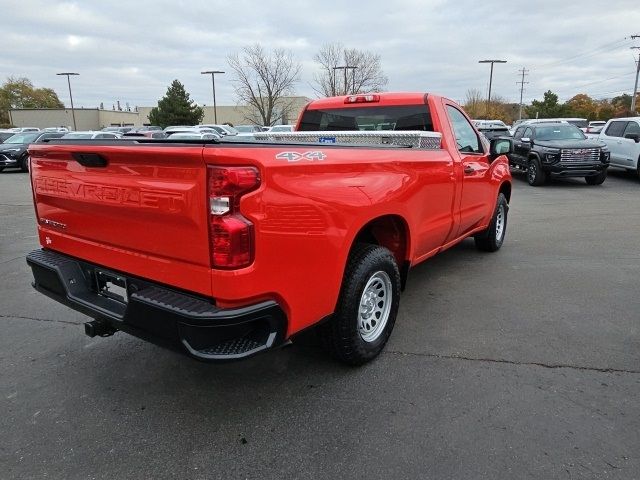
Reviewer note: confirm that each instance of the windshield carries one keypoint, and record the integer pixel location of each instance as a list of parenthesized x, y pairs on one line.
[(78, 135), (406, 117), (245, 129), (22, 138), (559, 132)]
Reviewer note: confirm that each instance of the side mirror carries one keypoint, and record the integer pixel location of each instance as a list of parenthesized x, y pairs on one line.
[(525, 140), (633, 136), (500, 146)]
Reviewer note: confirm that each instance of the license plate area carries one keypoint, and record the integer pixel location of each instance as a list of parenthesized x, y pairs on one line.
[(111, 285)]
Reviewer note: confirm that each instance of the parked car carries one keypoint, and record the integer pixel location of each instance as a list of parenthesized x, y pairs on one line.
[(595, 126), (202, 135), (264, 223), (558, 149), (247, 129), (24, 129), (622, 137), (13, 151), (90, 135), (115, 129), (145, 134), (171, 131), (281, 128), (223, 130), (147, 128), (492, 128)]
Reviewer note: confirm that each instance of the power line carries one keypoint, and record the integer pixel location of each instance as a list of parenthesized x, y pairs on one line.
[(522, 83), (590, 53)]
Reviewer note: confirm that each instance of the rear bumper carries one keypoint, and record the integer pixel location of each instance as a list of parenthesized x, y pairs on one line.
[(158, 314)]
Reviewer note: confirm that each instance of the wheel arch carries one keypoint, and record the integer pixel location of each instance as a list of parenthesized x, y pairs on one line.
[(392, 232), (505, 189)]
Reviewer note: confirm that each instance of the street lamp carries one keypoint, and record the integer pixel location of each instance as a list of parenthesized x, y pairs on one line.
[(345, 68), (213, 84), (490, 79), (68, 74)]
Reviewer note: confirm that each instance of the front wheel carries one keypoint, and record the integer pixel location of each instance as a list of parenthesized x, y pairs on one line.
[(596, 179), (24, 163), (535, 175), (367, 307), (493, 237)]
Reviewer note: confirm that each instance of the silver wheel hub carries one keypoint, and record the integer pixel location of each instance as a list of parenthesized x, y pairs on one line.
[(375, 306), (500, 222)]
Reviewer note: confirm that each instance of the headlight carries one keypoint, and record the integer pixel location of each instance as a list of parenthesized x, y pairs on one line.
[(552, 151), (12, 150)]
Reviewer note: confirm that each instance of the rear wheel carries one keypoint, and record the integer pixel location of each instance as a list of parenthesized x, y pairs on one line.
[(596, 179), (535, 175), (493, 237), (1, 169), (367, 307)]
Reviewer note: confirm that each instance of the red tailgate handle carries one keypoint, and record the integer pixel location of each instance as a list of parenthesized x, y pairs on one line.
[(90, 159)]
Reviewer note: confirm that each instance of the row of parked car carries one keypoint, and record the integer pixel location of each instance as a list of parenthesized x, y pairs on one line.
[(546, 148), (14, 142)]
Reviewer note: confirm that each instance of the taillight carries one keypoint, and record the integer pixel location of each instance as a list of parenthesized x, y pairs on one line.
[(231, 234), (362, 98)]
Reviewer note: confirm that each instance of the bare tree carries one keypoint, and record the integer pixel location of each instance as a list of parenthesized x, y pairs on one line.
[(363, 75), (263, 81)]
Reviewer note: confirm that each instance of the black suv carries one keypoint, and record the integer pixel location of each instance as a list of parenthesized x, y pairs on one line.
[(558, 149), (13, 152)]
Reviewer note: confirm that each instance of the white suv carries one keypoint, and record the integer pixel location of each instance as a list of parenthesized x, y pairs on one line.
[(622, 136)]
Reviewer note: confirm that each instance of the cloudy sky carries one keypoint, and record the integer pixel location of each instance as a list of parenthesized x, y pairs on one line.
[(130, 51)]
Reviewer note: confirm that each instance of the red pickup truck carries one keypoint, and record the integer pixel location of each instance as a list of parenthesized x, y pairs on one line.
[(223, 249)]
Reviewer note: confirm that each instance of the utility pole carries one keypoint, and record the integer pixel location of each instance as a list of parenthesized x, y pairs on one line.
[(73, 113), (522, 83), (635, 86), (213, 84), (490, 79)]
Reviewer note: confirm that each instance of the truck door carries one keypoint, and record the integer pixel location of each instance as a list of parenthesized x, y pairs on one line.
[(477, 192), (629, 148), (612, 137)]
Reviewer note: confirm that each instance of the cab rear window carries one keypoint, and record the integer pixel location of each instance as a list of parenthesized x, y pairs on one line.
[(405, 117)]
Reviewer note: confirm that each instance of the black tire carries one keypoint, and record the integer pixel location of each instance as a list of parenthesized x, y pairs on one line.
[(24, 163), (1, 169), (493, 237), (535, 175), (596, 179), (344, 334)]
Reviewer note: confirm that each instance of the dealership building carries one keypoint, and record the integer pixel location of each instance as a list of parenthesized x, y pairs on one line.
[(97, 118)]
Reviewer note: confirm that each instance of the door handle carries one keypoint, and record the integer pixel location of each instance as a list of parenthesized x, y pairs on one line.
[(469, 170)]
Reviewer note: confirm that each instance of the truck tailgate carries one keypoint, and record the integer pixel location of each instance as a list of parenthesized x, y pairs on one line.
[(143, 212)]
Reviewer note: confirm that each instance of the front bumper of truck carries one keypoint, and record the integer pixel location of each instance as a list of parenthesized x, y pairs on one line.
[(157, 313)]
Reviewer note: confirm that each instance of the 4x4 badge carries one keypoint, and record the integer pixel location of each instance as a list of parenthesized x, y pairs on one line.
[(311, 156)]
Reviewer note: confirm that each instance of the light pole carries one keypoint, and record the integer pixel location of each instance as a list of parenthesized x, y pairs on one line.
[(73, 114), (213, 84), (345, 68), (490, 79)]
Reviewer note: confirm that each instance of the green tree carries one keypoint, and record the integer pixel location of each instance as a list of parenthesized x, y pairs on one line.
[(547, 108), (20, 93), (176, 108)]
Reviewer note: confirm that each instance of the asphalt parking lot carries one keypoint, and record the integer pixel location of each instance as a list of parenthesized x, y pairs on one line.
[(519, 364)]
